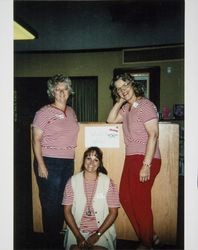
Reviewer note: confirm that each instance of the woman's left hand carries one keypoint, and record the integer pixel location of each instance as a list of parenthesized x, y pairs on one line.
[(92, 239), (144, 174)]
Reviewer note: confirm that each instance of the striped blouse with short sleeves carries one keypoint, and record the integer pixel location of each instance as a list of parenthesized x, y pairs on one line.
[(134, 119), (60, 130)]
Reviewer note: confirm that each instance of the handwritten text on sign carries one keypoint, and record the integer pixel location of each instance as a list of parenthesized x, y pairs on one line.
[(103, 137)]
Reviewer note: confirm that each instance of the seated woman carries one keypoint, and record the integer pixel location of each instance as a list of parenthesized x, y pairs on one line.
[(91, 203)]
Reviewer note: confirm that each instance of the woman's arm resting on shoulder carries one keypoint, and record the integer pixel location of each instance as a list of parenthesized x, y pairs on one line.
[(36, 144)]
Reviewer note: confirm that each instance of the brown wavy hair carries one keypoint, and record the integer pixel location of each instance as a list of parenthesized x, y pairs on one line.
[(126, 77), (99, 154)]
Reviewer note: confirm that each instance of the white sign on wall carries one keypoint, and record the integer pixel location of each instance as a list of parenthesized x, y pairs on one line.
[(103, 137)]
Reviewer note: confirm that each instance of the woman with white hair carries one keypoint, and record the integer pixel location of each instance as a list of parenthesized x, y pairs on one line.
[(55, 130)]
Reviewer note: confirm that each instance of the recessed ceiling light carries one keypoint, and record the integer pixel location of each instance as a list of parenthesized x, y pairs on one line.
[(21, 33)]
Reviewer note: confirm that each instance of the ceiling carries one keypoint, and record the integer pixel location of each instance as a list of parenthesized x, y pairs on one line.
[(99, 25)]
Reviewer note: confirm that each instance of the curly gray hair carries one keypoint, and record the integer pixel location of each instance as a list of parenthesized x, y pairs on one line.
[(54, 81)]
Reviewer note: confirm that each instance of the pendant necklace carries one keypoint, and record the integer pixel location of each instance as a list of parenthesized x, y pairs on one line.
[(89, 197)]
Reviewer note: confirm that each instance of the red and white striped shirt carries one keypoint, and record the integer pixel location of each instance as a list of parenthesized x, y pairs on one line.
[(60, 130), (89, 223), (134, 119)]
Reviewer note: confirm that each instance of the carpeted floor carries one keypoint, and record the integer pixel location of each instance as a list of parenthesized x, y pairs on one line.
[(37, 242)]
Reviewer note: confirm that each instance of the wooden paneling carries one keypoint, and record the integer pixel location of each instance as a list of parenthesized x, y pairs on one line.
[(165, 189), (36, 205)]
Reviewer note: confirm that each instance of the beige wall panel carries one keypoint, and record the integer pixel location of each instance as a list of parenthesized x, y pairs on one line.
[(165, 189)]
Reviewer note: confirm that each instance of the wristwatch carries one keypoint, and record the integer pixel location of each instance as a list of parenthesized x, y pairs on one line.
[(98, 233)]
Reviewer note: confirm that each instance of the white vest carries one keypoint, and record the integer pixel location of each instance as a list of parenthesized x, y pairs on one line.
[(108, 239)]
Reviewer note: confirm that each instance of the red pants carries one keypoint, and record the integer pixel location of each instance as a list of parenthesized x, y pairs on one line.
[(135, 196)]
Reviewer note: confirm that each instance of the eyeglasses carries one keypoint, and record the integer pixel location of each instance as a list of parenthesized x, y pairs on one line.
[(123, 88)]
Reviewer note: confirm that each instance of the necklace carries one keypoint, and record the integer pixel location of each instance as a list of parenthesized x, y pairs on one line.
[(64, 111), (89, 195)]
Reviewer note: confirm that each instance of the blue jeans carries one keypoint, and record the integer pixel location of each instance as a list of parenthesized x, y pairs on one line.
[(51, 192)]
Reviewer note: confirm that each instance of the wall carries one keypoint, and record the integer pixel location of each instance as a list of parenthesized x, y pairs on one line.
[(101, 64)]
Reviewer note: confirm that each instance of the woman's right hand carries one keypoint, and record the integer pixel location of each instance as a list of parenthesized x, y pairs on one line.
[(42, 172), (120, 100), (114, 116)]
